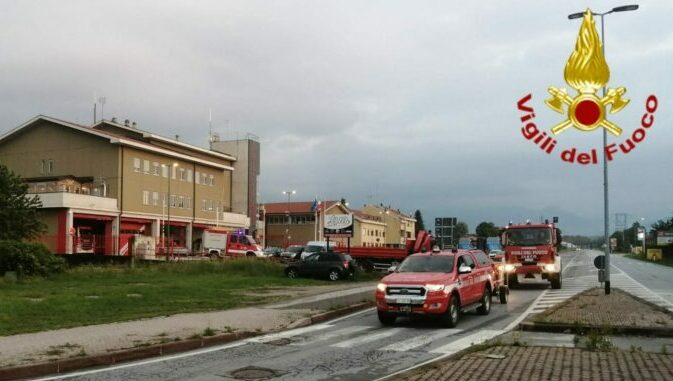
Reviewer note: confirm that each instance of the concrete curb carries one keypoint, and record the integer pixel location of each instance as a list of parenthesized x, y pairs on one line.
[(68, 365), (584, 328)]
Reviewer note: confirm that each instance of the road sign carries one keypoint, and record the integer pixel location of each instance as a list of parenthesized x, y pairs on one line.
[(338, 225), (599, 262)]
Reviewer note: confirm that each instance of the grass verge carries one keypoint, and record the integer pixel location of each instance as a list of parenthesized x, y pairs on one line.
[(103, 294)]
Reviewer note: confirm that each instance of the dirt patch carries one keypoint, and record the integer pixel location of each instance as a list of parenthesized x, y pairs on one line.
[(619, 309)]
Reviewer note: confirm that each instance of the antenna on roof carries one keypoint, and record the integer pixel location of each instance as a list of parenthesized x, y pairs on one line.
[(101, 100), (210, 126)]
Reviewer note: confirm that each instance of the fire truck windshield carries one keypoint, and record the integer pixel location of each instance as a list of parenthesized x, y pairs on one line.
[(528, 237)]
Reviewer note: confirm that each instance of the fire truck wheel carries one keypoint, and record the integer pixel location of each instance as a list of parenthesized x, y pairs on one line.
[(513, 280), (556, 281), (386, 318), (214, 257), (452, 314), (503, 292), (485, 307)]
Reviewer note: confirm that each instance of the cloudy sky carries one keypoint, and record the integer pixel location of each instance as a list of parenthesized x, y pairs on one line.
[(408, 103)]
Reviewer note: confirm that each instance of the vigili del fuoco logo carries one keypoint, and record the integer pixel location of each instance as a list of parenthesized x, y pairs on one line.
[(586, 71)]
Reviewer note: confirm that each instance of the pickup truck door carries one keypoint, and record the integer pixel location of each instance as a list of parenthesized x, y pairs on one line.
[(467, 291)]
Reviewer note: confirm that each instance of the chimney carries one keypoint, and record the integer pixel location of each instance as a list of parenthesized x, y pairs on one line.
[(177, 137), (134, 125), (114, 119), (127, 123)]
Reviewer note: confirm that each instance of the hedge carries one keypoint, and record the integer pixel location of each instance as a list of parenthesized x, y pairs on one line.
[(27, 259)]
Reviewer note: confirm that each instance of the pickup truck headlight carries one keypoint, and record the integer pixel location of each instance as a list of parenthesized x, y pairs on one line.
[(434, 287), (381, 287)]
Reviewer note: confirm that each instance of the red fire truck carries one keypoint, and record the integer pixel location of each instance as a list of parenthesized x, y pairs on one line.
[(381, 258), (532, 253)]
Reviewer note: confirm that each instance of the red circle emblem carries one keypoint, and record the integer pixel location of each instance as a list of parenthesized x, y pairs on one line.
[(587, 112)]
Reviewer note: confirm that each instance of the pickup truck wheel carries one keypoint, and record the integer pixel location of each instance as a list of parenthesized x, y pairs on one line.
[(386, 318), (485, 307), (512, 280), (503, 293), (556, 281), (452, 314), (291, 273), (250, 254), (214, 257), (334, 275)]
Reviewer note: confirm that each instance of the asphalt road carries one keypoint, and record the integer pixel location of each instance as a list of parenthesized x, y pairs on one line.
[(355, 347)]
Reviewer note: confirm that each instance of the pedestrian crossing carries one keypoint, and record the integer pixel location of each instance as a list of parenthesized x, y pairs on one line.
[(378, 338)]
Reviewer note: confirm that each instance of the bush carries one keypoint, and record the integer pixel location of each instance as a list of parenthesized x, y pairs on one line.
[(28, 259)]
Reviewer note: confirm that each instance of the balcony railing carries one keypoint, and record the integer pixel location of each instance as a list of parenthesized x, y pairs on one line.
[(76, 200)]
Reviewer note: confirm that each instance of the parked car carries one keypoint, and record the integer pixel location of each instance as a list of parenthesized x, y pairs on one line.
[(442, 284), (313, 247), (328, 264), (273, 251), (292, 252)]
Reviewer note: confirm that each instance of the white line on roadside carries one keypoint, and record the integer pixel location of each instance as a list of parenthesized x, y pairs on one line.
[(333, 334), (419, 341), (369, 338), (351, 315), (284, 334), (467, 341), (144, 362), (647, 290)]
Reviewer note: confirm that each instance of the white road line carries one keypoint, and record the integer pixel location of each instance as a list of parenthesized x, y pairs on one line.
[(367, 339), (352, 315), (333, 334), (419, 341), (285, 334), (145, 362), (468, 341), (658, 297)]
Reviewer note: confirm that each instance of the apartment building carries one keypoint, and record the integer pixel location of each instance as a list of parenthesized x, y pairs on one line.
[(399, 226), (112, 188)]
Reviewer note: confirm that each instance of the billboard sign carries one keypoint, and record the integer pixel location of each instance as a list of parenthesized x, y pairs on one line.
[(338, 225), (664, 238)]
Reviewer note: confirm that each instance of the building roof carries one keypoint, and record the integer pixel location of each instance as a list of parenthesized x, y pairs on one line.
[(294, 207), (126, 141), (389, 210)]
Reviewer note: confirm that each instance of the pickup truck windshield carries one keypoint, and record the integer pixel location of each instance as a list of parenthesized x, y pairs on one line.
[(427, 264), (528, 237)]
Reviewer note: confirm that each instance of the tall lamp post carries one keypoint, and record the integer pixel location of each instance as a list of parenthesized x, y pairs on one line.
[(289, 218), (577, 15), (168, 202)]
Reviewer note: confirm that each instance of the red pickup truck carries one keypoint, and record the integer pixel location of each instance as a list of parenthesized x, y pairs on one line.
[(439, 283)]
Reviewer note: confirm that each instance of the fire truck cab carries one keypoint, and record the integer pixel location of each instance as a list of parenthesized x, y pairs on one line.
[(532, 253)]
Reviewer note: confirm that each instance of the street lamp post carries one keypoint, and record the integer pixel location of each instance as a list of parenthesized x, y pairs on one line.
[(168, 202), (289, 218), (644, 235), (623, 8)]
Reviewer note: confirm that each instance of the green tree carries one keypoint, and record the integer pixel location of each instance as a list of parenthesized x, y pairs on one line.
[(664, 225), (18, 213), (487, 229), (460, 230), (419, 222)]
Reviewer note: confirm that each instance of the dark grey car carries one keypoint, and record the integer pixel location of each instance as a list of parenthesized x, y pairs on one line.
[(330, 265)]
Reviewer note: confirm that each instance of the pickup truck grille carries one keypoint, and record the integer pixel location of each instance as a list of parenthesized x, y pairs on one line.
[(405, 291)]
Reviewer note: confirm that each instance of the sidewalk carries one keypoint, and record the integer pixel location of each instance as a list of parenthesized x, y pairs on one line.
[(95, 340), (590, 346)]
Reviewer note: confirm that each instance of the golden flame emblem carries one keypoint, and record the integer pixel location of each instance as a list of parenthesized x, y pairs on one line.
[(586, 71)]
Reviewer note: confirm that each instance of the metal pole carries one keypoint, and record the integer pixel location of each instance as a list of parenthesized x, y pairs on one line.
[(605, 183), (168, 232)]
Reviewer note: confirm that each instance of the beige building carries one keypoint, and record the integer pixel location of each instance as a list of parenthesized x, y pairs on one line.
[(296, 223), (399, 226), (101, 185)]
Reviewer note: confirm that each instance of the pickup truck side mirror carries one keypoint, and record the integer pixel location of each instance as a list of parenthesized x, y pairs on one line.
[(392, 269), (464, 269)]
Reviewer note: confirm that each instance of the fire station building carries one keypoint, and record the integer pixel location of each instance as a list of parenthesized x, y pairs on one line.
[(112, 188)]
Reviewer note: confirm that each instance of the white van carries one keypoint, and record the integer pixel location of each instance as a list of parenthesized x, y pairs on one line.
[(313, 247)]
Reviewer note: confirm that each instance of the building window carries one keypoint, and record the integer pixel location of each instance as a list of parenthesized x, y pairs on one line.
[(164, 170), (146, 197), (155, 198), (155, 169), (197, 177), (174, 171), (173, 201), (46, 166), (211, 180), (203, 205), (163, 199), (136, 164), (189, 175), (210, 205), (146, 166), (181, 202), (188, 202)]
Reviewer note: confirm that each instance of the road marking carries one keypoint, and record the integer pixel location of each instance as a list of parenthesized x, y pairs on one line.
[(467, 341), (145, 362), (352, 315), (419, 341), (367, 339), (337, 333), (285, 334)]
